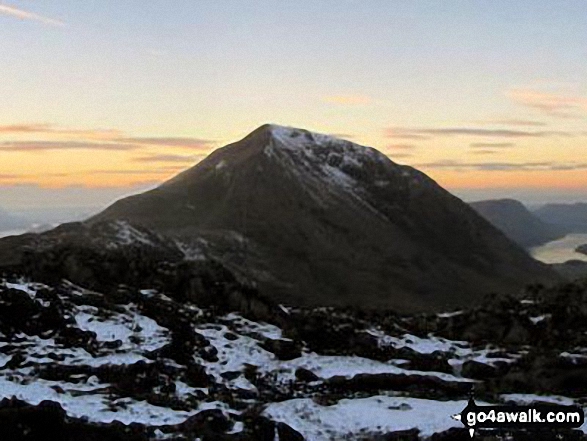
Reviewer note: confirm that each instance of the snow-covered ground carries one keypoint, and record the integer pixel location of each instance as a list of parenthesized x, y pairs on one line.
[(125, 336), (352, 418)]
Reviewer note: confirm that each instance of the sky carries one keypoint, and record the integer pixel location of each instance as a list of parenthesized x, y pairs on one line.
[(105, 98)]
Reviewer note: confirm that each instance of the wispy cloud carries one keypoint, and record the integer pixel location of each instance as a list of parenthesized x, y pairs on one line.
[(467, 131), (427, 133), (402, 133), (152, 171), (169, 158), (484, 152), (25, 128), (49, 129), (25, 15), (514, 122), (492, 145), (37, 146), (394, 155), (347, 100), (557, 105), (194, 143), (400, 147), (92, 139), (502, 166), (8, 176)]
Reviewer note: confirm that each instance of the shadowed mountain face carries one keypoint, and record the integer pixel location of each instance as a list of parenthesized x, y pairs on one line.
[(517, 222), (315, 220), (570, 217)]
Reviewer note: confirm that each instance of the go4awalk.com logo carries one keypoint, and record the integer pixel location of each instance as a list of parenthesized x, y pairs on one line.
[(539, 416)]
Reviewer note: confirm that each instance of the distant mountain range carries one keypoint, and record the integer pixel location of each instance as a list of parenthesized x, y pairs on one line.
[(315, 220), (570, 217), (517, 222)]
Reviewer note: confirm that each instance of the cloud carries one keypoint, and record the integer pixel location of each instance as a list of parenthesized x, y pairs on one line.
[(96, 139), (502, 166), (25, 128), (491, 145), (151, 171), (427, 133), (169, 158), (194, 143), (37, 146), (400, 133), (514, 122), (25, 15), (484, 152), (562, 106), (9, 176), (467, 131), (347, 100), (399, 155), (400, 147), (95, 134)]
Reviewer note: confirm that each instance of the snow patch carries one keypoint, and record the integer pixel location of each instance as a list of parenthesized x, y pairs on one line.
[(351, 418)]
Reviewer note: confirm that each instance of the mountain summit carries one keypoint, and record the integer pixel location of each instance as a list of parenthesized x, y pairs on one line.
[(316, 220)]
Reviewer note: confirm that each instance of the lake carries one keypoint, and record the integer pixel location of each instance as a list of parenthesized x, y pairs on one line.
[(559, 251)]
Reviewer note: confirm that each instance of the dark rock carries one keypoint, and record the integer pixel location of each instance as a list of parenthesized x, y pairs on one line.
[(260, 428), (19, 313), (20, 421), (196, 376), (207, 423), (286, 433), (453, 434), (306, 375), (436, 361), (481, 371), (429, 386), (400, 435), (283, 349)]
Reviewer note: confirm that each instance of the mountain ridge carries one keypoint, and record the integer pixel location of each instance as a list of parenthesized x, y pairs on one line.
[(517, 222), (570, 217), (325, 221)]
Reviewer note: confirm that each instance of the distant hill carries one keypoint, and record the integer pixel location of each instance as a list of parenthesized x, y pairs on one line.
[(572, 269), (517, 222), (571, 217), (316, 220)]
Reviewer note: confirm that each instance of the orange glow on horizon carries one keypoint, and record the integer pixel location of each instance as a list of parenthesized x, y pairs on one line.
[(568, 179)]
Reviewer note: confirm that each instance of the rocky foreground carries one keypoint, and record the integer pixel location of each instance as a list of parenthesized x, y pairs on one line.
[(137, 364), (115, 333)]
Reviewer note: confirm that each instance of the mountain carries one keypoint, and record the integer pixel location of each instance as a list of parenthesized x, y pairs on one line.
[(316, 220), (517, 222), (571, 217)]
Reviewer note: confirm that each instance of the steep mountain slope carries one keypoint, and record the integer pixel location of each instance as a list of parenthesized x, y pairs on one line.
[(571, 217), (517, 222), (315, 220)]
